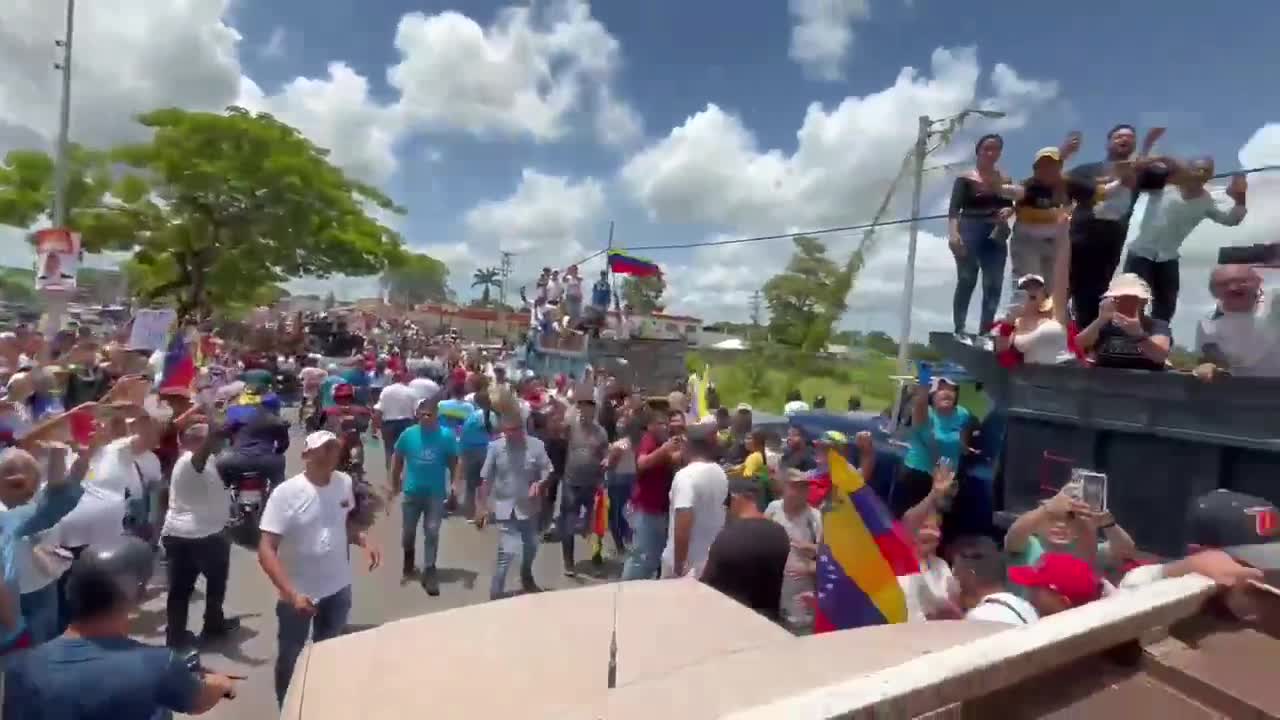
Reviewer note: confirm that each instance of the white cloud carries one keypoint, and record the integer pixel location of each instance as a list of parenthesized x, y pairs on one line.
[(618, 124), (822, 33), (338, 113), (521, 76), (548, 220), (712, 170), (129, 56), (276, 44)]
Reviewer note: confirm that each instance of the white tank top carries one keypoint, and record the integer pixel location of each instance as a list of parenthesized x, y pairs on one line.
[(1045, 345)]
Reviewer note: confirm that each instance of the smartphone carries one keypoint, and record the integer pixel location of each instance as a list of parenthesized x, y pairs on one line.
[(1091, 487)]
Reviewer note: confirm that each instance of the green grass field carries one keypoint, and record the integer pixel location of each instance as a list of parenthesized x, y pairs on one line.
[(869, 378)]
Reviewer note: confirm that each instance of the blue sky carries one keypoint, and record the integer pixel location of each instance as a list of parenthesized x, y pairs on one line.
[(476, 184)]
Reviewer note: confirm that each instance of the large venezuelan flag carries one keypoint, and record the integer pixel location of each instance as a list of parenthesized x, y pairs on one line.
[(624, 264), (179, 369), (863, 553)]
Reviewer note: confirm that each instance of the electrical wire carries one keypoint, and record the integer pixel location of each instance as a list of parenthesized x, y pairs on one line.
[(865, 226)]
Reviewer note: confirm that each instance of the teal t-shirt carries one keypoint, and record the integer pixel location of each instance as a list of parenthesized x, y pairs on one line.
[(938, 439), (428, 455), (326, 390)]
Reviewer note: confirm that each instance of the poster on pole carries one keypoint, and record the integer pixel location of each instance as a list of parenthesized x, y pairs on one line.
[(57, 259), (151, 329)]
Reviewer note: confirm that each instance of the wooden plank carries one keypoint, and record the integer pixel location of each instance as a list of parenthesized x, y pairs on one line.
[(995, 662)]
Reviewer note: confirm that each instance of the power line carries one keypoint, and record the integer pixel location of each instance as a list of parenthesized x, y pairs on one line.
[(864, 226)]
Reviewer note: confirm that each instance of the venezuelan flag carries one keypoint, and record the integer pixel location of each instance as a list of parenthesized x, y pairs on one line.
[(624, 264), (179, 369), (861, 557), (703, 384), (599, 520)]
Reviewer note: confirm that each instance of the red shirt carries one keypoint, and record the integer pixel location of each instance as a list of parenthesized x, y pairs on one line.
[(652, 493)]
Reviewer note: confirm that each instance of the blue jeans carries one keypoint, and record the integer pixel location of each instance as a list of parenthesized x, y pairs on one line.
[(329, 621), (430, 509), (40, 611), (619, 495), (648, 539), (983, 255), (576, 504), (514, 536)]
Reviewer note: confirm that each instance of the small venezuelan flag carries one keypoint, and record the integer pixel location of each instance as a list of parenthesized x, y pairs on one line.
[(179, 369), (624, 264), (862, 555), (599, 520)]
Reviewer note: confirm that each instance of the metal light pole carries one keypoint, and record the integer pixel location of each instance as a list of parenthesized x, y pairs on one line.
[(909, 283), (924, 132), (63, 159), (56, 301)]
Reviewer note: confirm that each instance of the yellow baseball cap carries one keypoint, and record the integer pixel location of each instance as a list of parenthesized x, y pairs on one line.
[(1052, 153)]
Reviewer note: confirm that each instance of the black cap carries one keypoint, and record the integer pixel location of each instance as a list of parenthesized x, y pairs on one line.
[(743, 486), (1246, 527)]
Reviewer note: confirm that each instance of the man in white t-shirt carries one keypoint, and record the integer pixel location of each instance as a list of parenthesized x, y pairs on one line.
[(114, 488), (395, 412), (305, 533), (423, 385), (698, 494), (980, 573), (194, 541), (1241, 336)]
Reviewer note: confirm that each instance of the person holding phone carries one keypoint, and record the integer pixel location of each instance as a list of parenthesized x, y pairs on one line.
[(1067, 524)]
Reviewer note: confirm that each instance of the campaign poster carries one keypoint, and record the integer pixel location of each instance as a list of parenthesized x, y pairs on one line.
[(57, 259)]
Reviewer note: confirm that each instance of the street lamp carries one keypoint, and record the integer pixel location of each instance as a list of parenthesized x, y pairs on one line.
[(926, 130)]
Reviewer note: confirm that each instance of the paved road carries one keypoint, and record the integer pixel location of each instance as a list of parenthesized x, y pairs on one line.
[(466, 566)]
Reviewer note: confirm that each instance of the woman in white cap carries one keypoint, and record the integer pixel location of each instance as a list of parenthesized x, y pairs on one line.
[(1124, 335)]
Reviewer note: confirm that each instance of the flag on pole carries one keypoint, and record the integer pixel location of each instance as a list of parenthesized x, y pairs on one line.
[(862, 555), (625, 264), (700, 404), (178, 371)]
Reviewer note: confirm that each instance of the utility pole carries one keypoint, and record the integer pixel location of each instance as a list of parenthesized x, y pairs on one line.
[(61, 168), (55, 302), (909, 283), (505, 273), (755, 308)]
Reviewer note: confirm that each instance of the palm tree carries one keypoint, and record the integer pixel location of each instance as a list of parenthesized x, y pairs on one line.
[(486, 278)]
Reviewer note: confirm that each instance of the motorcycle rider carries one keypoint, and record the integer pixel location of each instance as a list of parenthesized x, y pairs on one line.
[(95, 671), (259, 439)]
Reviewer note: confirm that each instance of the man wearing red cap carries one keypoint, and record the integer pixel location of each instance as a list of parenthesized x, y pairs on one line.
[(1057, 582)]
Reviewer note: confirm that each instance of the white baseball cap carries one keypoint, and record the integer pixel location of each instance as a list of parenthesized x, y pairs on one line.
[(318, 439)]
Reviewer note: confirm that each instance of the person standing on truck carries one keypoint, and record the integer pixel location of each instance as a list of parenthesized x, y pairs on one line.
[(1240, 337)]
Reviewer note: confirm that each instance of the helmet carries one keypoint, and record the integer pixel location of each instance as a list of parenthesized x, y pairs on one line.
[(344, 391), (109, 575)]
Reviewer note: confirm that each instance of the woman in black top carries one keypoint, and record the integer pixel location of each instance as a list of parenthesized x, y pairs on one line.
[(978, 232)]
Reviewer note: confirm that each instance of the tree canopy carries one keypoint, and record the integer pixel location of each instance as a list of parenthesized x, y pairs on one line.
[(214, 207), (644, 294), (810, 296), (415, 279), (486, 279)]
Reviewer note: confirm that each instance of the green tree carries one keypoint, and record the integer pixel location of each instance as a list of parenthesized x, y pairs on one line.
[(801, 297), (643, 294), (486, 279), (214, 207), (417, 278), (881, 343)]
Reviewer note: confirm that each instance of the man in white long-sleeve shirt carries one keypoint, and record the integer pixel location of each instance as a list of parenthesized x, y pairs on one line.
[(1173, 211)]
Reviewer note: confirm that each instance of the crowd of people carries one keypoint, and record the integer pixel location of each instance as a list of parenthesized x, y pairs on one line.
[(1065, 234)]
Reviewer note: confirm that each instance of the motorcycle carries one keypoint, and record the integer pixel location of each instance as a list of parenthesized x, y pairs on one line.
[(248, 496), (352, 463)]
